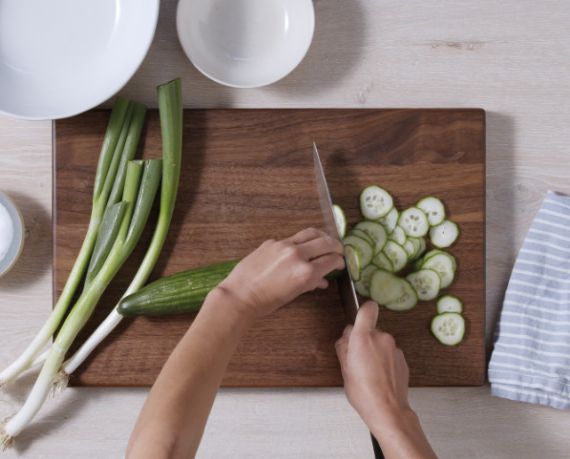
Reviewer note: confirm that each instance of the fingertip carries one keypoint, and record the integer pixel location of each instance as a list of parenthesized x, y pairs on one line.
[(367, 316)]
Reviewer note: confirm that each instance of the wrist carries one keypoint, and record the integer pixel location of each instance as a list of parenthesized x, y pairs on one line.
[(394, 423), (235, 305)]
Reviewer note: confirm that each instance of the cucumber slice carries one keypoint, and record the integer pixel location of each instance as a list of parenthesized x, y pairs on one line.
[(433, 208), (433, 252), (353, 262), (410, 248), (449, 303), (340, 220), (362, 286), (362, 235), (426, 284), (364, 248), (390, 220), (421, 249), (398, 235), (384, 287), (396, 254), (442, 264), (375, 202), (414, 222), (406, 299), (419, 246), (448, 328), (444, 234), (381, 261), (374, 231)]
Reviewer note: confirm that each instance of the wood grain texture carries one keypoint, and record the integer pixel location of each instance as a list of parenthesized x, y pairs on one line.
[(247, 175)]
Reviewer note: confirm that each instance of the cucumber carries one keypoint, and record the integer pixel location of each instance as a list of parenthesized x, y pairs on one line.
[(433, 208), (375, 202), (362, 235), (384, 287), (340, 220), (426, 284), (449, 303), (421, 249), (433, 252), (362, 286), (353, 262), (363, 247), (444, 234), (390, 220), (176, 294), (381, 261), (398, 235), (407, 297), (396, 254), (442, 264), (414, 222), (448, 328), (410, 248), (419, 245), (376, 232)]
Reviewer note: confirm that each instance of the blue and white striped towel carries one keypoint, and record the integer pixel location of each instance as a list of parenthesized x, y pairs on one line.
[(531, 358)]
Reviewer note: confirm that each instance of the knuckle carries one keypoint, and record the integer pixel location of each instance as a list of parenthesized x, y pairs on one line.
[(388, 340), (305, 271)]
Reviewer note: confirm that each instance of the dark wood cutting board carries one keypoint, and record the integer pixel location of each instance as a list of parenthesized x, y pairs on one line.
[(248, 176)]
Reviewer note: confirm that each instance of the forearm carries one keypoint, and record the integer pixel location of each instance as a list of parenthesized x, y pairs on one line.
[(401, 437), (174, 416)]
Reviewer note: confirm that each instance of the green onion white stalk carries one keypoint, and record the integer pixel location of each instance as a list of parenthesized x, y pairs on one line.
[(138, 194), (112, 152), (170, 108)]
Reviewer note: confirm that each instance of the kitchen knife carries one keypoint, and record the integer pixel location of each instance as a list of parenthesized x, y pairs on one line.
[(345, 285)]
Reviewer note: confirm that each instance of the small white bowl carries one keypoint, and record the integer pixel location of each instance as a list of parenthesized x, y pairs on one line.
[(59, 58), (245, 43), (17, 244)]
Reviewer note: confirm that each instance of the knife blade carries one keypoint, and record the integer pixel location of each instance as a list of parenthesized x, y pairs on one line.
[(345, 285)]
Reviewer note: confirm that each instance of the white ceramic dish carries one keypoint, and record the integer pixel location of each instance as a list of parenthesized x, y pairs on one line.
[(245, 43), (17, 243), (62, 57)]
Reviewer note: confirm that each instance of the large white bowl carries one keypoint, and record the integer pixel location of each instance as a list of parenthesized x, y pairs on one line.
[(62, 57), (17, 242), (245, 43)]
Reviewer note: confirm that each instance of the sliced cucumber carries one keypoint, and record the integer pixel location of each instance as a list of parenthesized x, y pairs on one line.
[(390, 220), (362, 235), (398, 235), (364, 248), (426, 283), (449, 303), (410, 248), (406, 299), (419, 246), (433, 208), (384, 287), (448, 328), (444, 234), (396, 254), (433, 252), (376, 232), (375, 202), (353, 262), (414, 222), (442, 264), (340, 220), (381, 261), (362, 286), (421, 249)]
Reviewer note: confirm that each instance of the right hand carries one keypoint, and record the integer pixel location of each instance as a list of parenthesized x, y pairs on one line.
[(279, 271), (375, 372)]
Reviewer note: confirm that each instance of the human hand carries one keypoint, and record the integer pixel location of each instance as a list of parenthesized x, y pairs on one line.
[(375, 372), (278, 271)]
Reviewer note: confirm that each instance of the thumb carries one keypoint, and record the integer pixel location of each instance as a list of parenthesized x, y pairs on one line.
[(367, 317)]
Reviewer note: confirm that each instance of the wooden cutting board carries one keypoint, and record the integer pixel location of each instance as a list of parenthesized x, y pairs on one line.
[(247, 176)]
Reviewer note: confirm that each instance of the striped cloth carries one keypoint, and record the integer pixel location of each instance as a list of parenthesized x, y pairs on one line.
[(531, 357)]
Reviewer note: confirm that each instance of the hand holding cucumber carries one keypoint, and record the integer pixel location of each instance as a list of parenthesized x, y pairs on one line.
[(278, 271), (376, 380)]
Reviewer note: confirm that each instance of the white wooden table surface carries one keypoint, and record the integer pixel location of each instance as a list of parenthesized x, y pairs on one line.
[(511, 58)]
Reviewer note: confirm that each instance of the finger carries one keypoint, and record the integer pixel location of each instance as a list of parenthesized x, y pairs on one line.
[(305, 235), (347, 331), (320, 246), (341, 348), (326, 264), (367, 317)]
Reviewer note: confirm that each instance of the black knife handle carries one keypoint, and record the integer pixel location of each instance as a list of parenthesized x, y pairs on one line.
[(378, 454)]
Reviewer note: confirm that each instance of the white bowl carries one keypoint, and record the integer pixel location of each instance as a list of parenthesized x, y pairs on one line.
[(17, 243), (59, 58), (245, 43)]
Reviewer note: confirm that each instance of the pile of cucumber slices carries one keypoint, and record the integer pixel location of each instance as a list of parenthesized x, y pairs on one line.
[(386, 257)]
